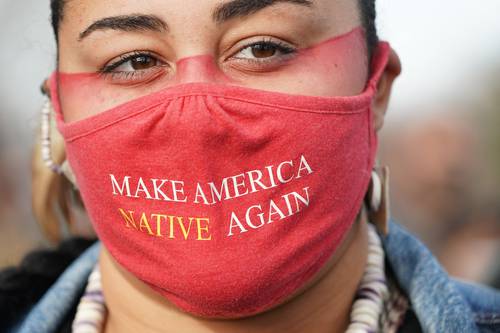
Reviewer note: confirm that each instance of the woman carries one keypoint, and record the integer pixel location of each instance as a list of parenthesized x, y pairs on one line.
[(225, 155)]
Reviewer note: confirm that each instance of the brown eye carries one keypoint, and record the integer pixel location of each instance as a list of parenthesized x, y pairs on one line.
[(135, 62), (137, 67), (143, 62), (263, 50)]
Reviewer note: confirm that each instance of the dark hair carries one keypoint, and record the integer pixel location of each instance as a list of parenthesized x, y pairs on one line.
[(368, 17), (22, 286), (56, 9), (366, 7)]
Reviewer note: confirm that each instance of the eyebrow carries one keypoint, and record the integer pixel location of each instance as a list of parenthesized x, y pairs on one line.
[(240, 8), (132, 22), (222, 13)]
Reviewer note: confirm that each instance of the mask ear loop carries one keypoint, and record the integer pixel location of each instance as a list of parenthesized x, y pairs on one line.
[(46, 142)]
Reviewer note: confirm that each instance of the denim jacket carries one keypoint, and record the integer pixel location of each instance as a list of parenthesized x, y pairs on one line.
[(440, 303)]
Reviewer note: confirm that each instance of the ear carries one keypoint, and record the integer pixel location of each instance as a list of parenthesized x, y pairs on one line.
[(44, 87), (384, 86)]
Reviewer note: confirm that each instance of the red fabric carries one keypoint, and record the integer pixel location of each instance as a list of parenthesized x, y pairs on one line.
[(330, 67), (201, 132)]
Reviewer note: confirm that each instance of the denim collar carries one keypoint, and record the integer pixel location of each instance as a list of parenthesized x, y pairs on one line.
[(48, 314), (437, 303)]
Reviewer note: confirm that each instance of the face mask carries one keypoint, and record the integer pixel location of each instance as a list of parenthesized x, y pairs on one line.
[(223, 198)]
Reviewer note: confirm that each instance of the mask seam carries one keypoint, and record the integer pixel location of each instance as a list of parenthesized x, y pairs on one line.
[(269, 105)]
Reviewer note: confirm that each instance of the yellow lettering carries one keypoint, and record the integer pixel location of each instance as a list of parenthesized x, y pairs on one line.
[(145, 224), (204, 228), (153, 225), (171, 227), (129, 219), (158, 223), (183, 228)]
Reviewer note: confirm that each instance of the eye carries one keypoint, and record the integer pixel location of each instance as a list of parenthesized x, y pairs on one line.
[(259, 50), (139, 62), (266, 51), (134, 67)]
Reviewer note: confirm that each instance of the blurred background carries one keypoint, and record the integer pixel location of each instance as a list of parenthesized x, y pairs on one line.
[(441, 138)]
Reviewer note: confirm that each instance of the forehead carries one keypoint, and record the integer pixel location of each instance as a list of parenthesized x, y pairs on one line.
[(211, 12)]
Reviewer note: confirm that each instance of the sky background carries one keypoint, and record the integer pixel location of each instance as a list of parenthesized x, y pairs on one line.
[(447, 47)]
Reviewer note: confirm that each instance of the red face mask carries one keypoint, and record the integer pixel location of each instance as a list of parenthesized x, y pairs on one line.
[(223, 198)]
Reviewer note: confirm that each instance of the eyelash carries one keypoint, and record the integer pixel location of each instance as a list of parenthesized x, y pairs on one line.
[(109, 70), (124, 59), (280, 46)]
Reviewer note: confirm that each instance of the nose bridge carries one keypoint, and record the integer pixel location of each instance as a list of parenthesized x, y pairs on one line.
[(200, 68)]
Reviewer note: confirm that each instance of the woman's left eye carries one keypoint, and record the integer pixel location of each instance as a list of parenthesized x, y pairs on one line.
[(264, 51)]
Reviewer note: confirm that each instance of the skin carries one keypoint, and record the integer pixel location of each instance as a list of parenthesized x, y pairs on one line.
[(323, 304)]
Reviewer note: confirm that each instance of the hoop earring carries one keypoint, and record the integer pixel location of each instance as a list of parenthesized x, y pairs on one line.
[(377, 199), (46, 146)]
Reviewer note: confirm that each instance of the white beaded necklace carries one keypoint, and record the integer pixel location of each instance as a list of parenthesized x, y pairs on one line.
[(91, 311), (372, 292), (366, 312)]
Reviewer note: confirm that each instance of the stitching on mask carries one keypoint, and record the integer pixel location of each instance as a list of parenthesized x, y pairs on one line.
[(68, 126)]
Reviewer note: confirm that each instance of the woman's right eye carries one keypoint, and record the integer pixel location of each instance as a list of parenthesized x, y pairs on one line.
[(140, 62), (134, 68)]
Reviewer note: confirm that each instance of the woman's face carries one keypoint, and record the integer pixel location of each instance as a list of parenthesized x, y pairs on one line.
[(250, 42)]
